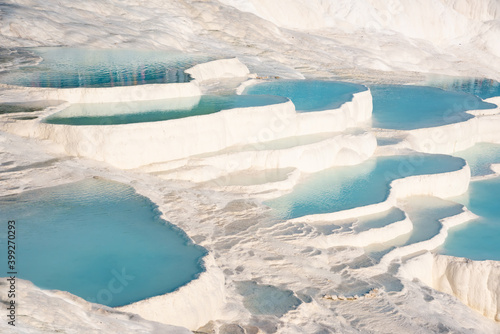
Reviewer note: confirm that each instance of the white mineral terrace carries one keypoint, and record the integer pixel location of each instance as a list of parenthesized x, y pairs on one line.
[(475, 283), (135, 145), (364, 238), (199, 149), (108, 94), (454, 137)]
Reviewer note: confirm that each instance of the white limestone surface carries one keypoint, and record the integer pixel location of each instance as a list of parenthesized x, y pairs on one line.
[(451, 138), (248, 248), (451, 37), (339, 150), (363, 238), (495, 168), (475, 283), (252, 81), (445, 19), (134, 145), (430, 244), (105, 94), (357, 38), (350, 114), (494, 100), (262, 191), (219, 69)]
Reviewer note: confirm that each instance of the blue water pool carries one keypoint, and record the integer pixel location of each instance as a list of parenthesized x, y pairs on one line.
[(98, 240), (343, 188), (478, 239), (481, 87), (309, 95), (425, 213), (153, 111), (414, 107), (379, 220), (78, 67), (480, 157)]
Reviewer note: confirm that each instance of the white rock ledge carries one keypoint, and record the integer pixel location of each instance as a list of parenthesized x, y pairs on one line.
[(218, 69), (495, 168), (451, 138), (263, 191), (338, 150), (430, 244), (108, 94), (475, 283), (134, 145), (350, 114), (363, 238)]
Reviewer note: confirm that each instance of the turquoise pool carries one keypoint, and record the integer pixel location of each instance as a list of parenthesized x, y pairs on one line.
[(481, 87), (82, 67), (309, 95), (478, 239), (154, 111), (480, 157), (343, 188), (414, 107), (425, 213), (99, 240)]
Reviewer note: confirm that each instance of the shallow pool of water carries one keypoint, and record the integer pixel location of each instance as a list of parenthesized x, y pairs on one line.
[(309, 95), (414, 107), (343, 188), (426, 214), (480, 238), (153, 111), (481, 87), (98, 240), (480, 157), (82, 67)]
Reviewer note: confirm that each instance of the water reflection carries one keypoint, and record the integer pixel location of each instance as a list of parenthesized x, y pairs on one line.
[(481, 87), (73, 67)]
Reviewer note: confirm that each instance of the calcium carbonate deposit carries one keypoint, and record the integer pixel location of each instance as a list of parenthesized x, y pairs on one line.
[(228, 166)]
